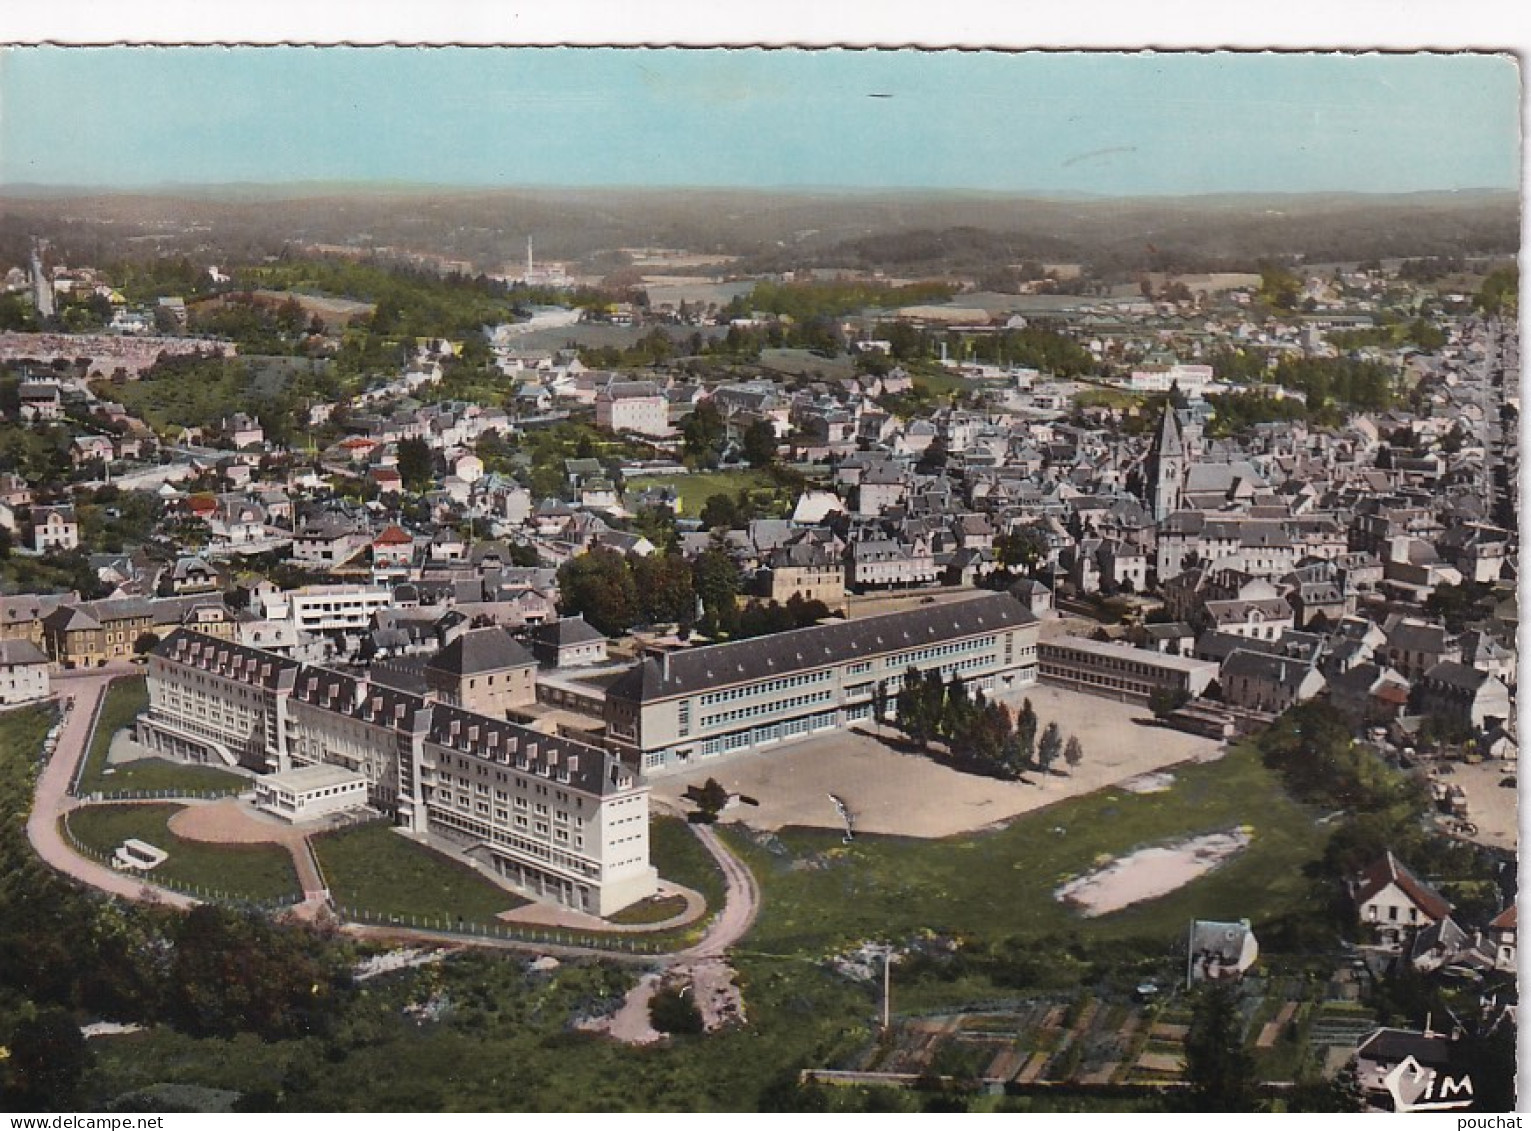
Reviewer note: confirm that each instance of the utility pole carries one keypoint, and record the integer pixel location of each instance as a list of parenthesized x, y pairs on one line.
[(887, 987)]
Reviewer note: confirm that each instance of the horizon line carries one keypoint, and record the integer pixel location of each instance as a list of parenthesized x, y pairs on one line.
[(165, 188)]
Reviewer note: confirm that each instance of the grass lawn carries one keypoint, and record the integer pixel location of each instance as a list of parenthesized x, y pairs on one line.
[(942, 383), (125, 700), (819, 892), (682, 859), (654, 910), (244, 871), (697, 487), (373, 868), (161, 773)]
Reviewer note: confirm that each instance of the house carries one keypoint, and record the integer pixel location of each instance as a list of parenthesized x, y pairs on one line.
[(1219, 952), (1393, 902), (54, 528), (1394, 1066), (244, 431), (808, 570), (189, 574), (393, 549), (1501, 937), (23, 673), (1259, 681), (633, 406), (1414, 646), (1466, 698), (328, 541), (41, 400), (88, 449), (483, 670), (568, 642)]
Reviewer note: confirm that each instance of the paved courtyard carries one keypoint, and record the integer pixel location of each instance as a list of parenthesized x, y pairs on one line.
[(1491, 804), (888, 791)]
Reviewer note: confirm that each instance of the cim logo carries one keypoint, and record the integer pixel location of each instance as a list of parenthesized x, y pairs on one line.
[(1417, 1088)]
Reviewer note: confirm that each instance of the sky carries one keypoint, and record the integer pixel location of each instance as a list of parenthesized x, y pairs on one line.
[(1110, 124)]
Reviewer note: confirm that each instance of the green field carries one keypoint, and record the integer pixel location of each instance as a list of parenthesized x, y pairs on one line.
[(163, 774), (682, 859), (125, 700), (697, 487), (238, 871), (819, 893), (374, 869)]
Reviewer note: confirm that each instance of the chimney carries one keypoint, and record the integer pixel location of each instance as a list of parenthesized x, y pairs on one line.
[(664, 665)]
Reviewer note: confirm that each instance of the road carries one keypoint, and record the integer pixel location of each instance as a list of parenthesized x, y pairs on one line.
[(741, 902), (52, 798)]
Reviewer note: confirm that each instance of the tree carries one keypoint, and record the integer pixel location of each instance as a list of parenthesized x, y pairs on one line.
[(416, 467), (760, 444), (600, 586), (48, 1058), (1165, 701), (1220, 1071), (1049, 747), (880, 703), (1026, 734), (1073, 752), (716, 580), (711, 799), (956, 710), (914, 716), (720, 512), (664, 588), (145, 643), (989, 736), (703, 434), (672, 1011), (1021, 549)]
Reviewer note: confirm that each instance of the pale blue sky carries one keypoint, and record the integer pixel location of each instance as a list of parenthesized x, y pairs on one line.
[(1110, 124)]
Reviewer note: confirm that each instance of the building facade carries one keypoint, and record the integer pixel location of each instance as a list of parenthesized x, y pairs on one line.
[(556, 820), (684, 708), (1119, 671)]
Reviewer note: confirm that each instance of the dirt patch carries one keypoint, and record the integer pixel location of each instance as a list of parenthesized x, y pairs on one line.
[(1150, 872), (1149, 783)]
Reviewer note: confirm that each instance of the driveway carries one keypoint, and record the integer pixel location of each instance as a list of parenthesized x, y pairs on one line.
[(52, 798)]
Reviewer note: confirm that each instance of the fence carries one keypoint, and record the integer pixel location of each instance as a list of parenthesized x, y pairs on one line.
[(102, 795), (181, 887), (500, 932)]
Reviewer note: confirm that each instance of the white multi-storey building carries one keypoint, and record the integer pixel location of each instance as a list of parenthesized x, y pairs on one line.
[(683, 708), (554, 819), (633, 406), (316, 609)]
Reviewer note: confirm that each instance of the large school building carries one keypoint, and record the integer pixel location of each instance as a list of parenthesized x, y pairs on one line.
[(557, 820), (680, 709)]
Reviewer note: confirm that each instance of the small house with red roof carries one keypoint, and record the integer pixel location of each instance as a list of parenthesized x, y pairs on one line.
[(394, 548), (1394, 902)]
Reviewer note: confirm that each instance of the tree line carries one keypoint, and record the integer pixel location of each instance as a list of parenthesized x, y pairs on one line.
[(979, 733)]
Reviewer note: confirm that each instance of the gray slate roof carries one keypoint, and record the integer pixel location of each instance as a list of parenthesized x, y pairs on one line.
[(481, 650), (804, 649)]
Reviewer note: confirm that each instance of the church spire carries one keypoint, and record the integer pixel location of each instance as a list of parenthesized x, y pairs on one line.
[(1170, 443)]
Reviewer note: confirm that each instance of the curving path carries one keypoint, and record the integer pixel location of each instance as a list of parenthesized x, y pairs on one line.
[(52, 799), (741, 901)]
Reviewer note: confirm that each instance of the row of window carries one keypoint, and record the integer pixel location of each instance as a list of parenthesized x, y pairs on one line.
[(775, 706), (783, 684)]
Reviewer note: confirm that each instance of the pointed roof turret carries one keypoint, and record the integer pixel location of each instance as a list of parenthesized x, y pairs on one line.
[(1170, 443)]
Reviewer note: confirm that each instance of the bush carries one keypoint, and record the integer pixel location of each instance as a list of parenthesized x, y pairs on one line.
[(673, 1011)]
